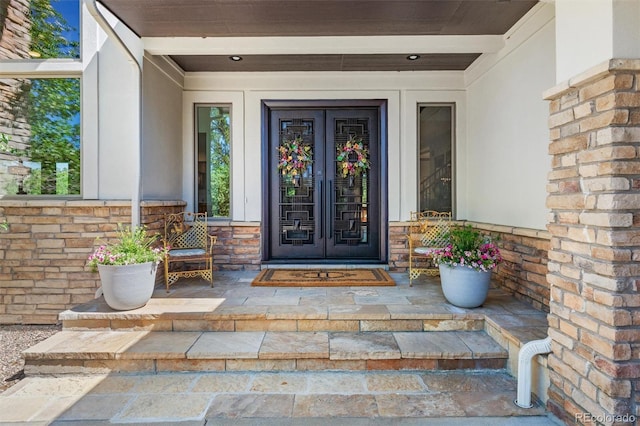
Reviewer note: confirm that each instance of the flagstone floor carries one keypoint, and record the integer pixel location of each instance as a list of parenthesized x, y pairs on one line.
[(460, 398), (359, 396)]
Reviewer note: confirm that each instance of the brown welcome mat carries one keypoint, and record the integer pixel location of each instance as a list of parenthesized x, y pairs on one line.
[(322, 278)]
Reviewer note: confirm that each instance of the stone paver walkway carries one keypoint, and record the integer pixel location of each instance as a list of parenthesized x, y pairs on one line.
[(253, 398)]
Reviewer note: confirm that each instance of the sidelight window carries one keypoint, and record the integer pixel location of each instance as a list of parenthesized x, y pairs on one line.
[(214, 160), (435, 149)]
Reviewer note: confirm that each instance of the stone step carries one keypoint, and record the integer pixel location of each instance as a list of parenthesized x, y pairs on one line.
[(208, 314), (93, 351)]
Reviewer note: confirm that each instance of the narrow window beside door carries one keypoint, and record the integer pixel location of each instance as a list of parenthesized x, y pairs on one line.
[(214, 160), (435, 146)]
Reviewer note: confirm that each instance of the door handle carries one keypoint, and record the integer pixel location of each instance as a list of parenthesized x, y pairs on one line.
[(330, 209), (321, 209)]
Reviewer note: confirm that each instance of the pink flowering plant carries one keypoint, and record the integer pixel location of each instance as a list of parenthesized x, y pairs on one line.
[(134, 245), (468, 247), (352, 158)]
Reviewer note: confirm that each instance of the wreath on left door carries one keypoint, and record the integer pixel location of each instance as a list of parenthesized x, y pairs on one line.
[(295, 157)]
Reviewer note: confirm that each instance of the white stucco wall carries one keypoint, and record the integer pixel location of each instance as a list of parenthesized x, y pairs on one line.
[(592, 31), (118, 134), (507, 136), (162, 124)]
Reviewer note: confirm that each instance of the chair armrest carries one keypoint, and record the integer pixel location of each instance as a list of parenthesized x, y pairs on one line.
[(212, 240)]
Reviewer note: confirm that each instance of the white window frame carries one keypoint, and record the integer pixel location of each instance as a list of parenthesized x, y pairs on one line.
[(70, 68)]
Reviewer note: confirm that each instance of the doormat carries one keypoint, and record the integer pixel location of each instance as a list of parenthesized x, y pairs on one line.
[(322, 278)]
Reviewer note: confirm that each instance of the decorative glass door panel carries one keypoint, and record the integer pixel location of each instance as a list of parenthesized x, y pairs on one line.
[(353, 150), (295, 214), (324, 190)]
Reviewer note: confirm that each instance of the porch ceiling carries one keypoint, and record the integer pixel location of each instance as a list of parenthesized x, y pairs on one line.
[(321, 18)]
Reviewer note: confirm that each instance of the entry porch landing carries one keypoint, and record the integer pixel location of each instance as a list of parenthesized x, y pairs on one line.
[(236, 327)]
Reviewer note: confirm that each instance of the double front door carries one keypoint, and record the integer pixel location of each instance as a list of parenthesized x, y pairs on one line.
[(327, 204)]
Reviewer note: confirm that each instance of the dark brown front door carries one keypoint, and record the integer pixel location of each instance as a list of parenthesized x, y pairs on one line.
[(324, 215)]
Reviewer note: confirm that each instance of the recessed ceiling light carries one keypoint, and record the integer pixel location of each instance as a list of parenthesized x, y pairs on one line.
[(413, 57), (235, 58)]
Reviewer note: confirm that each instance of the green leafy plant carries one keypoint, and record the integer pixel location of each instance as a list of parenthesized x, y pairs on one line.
[(469, 248), (134, 245)]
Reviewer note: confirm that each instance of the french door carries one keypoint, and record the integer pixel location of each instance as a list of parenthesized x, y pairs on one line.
[(332, 208)]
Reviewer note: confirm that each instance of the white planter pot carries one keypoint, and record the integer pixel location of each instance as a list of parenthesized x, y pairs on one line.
[(128, 287), (464, 287)]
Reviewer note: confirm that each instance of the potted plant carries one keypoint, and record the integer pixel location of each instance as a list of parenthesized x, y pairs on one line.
[(465, 266), (127, 268)]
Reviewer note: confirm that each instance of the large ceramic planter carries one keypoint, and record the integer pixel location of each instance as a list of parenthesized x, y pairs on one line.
[(128, 287), (464, 287)]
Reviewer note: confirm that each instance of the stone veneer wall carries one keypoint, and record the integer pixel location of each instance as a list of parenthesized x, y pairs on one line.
[(594, 274), (522, 274), (44, 253)]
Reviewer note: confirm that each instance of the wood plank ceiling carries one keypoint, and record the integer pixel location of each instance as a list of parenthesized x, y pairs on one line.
[(302, 18)]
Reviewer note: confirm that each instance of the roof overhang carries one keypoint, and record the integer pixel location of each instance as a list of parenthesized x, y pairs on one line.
[(335, 35)]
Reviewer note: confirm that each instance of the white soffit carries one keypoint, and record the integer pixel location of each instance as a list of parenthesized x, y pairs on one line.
[(322, 45)]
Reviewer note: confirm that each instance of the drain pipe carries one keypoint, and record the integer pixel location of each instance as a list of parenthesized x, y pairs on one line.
[(92, 7), (526, 354)]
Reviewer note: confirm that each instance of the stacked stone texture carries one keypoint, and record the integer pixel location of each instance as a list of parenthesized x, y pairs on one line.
[(237, 247), (15, 37), (523, 272), (43, 255), (594, 273)]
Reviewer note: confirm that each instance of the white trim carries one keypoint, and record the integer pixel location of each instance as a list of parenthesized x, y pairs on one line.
[(89, 107), (536, 19), (238, 190), (41, 68), (322, 45), (166, 66), (329, 82)]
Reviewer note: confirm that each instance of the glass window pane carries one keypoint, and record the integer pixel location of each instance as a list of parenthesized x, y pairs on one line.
[(39, 29), (214, 160), (434, 157), (40, 136)]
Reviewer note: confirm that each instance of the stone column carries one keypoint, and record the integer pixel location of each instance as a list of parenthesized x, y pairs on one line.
[(593, 269)]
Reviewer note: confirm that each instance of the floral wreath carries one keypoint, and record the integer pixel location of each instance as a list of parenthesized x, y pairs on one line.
[(294, 157), (353, 158)]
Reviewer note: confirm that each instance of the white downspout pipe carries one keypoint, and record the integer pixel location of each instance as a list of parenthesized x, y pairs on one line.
[(526, 354), (92, 7)]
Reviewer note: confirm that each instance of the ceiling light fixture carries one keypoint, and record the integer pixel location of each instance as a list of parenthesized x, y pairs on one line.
[(235, 58), (413, 57)]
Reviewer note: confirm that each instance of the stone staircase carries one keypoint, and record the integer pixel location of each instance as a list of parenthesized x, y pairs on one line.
[(200, 334), (356, 355)]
